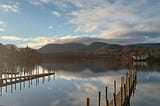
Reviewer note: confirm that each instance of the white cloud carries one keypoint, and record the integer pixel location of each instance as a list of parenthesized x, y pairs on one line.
[(55, 13), (50, 27), (56, 102), (117, 19), (13, 38), (38, 42), (34, 42), (2, 26), (9, 8)]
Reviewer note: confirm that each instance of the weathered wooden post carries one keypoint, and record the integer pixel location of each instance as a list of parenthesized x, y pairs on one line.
[(121, 97), (115, 87), (129, 86), (106, 96), (124, 91), (88, 102), (99, 99), (114, 100), (126, 87)]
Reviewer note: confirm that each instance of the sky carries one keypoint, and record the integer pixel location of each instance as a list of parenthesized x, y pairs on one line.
[(38, 22)]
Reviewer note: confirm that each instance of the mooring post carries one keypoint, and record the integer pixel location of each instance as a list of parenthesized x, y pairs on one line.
[(106, 96), (114, 100), (99, 99), (126, 87), (124, 91), (121, 97), (129, 85), (115, 87), (87, 101)]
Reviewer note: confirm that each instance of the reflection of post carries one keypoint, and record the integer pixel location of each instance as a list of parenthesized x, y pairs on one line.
[(6, 88), (24, 84), (1, 82), (43, 80), (36, 82), (20, 86), (11, 88), (0, 91), (48, 78), (29, 84), (15, 87)]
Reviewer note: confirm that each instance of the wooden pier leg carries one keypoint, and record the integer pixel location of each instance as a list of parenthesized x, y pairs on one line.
[(99, 99), (129, 85), (121, 97), (115, 87), (88, 102), (106, 96), (126, 87), (124, 91), (114, 100)]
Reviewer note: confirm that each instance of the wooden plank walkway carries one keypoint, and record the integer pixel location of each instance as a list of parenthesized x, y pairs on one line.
[(18, 79), (122, 98)]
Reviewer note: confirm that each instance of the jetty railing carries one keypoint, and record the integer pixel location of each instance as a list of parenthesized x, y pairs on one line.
[(121, 98), (14, 78)]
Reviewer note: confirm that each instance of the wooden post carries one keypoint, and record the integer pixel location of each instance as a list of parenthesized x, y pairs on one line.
[(121, 97), (106, 96), (114, 100), (124, 91), (99, 99), (88, 102), (126, 87), (115, 87), (129, 85)]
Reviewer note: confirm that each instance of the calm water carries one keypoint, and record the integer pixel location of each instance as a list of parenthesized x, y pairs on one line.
[(74, 82)]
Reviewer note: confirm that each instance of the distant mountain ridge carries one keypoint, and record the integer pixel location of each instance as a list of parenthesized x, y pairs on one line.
[(79, 47)]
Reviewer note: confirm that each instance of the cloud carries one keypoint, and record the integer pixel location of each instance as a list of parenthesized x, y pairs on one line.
[(9, 8), (50, 27), (34, 42), (56, 102), (38, 42), (55, 13), (2, 26), (12, 38)]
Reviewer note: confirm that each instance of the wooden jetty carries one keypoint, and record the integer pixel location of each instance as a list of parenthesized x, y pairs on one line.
[(121, 98), (14, 79)]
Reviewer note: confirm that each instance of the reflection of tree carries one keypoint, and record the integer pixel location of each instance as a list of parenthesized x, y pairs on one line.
[(13, 56), (29, 55)]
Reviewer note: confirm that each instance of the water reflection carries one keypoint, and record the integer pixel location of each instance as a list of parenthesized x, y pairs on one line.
[(74, 82), (18, 77)]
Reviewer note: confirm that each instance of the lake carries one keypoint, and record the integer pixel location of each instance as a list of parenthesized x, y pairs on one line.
[(73, 82)]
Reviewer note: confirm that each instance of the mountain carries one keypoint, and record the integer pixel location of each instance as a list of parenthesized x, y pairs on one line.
[(10, 46), (69, 47), (96, 46)]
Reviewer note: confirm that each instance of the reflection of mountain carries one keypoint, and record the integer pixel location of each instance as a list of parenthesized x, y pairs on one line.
[(97, 65)]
